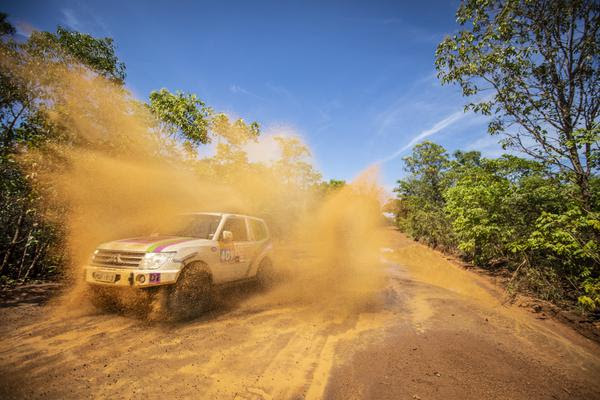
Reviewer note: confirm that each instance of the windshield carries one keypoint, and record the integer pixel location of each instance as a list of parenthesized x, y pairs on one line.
[(201, 226)]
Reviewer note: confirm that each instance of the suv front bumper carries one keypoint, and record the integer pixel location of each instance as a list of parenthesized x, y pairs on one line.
[(139, 278)]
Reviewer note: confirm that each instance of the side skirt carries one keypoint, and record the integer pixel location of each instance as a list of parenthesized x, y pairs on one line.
[(234, 283)]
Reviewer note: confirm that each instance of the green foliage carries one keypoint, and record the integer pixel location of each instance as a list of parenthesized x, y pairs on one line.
[(26, 251), (478, 208), (331, 186), (181, 114), (427, 166), (25, 91), (5, 27), (494, 203), (422, 195), (30, 243), (70, 47), (568, 240), (188, 119), (511, 212), (591, 299), (535, 67), (540, 61)]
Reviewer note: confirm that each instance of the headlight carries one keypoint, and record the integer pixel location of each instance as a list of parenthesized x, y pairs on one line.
[(156, 260), (90, 259)]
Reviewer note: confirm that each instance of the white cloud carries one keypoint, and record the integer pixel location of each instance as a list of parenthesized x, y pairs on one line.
[(438, 126), (71, 20), (236, 89), (388, 117), (24, 29), (84, 20), (282, 92)]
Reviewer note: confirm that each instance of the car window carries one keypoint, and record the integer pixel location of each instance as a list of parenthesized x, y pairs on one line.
[(258, 228), (201, 226), (237, 226)]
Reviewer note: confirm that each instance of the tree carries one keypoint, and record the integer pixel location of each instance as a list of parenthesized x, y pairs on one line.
[(181, 114), (331, 186), (236, 133), (30, 244), (293, 167), (23, 88), (5, 27), (478, 208), (541, 62), (509, 212), (494, 203), (67, 47), (421, 195), (427, 165), (186, 117)]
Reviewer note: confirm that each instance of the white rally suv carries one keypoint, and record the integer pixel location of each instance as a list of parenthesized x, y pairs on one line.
[(184, 260)]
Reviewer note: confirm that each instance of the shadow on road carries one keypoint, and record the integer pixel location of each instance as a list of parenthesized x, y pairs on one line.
[(35, 294)]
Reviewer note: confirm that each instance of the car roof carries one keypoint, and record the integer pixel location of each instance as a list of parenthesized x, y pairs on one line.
[(223, 214), (203, 213)]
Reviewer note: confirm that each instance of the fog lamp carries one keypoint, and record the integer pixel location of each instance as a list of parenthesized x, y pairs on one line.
[(140, 278)]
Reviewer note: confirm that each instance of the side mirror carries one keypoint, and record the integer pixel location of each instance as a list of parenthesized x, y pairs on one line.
[(227, 236)]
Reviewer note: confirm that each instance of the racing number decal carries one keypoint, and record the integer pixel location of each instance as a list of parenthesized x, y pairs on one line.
[(228, 255)]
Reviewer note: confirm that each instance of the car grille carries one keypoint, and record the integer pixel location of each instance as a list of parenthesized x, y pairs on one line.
[(116, 258)]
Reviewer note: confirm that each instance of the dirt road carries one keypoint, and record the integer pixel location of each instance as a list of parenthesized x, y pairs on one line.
[(434, 332)]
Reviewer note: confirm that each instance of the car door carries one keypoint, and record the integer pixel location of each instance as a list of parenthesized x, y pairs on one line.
[(259, 237), (235, 256)]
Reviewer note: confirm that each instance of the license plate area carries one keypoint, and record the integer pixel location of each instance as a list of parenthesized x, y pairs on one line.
[(104, 276)]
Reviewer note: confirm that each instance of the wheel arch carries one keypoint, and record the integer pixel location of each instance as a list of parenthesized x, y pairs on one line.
[(204, 266), (265, 253)]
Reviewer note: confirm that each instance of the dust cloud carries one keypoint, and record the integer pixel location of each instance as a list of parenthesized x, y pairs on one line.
[(116, 174), (333, 253)]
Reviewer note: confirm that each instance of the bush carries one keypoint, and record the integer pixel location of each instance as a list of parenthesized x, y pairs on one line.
[(509, 212), (590, 301)]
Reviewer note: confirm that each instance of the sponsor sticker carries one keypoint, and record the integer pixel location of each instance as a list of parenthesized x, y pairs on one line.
[(154, 277)]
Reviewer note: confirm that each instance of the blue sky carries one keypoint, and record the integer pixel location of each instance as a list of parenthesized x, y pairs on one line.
[(355, 79)]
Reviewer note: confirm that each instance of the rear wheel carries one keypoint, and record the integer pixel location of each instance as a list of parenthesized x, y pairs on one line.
[(266, 274), (192, 294)]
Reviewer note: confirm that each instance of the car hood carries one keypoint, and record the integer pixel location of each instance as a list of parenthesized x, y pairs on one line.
[(153, 244)]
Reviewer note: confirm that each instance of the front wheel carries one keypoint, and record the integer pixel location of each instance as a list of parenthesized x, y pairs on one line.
[(192, 294)]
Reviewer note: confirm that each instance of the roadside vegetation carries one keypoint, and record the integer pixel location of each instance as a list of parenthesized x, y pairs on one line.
[(533, 67), (504, 213)]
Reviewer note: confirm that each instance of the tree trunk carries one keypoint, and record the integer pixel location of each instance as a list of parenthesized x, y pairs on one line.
[(24, 254), (12, 244), (35, 259), (583, 181)]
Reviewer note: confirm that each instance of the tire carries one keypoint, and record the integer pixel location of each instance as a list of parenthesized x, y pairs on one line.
[(192, 294), (265, 275)]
